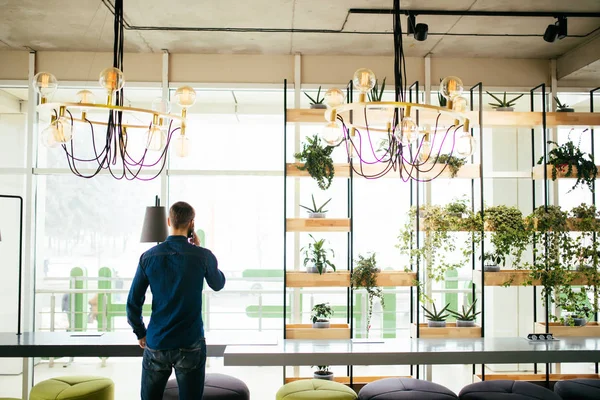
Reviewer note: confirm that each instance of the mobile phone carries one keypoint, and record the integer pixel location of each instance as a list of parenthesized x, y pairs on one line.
[(190, 233)]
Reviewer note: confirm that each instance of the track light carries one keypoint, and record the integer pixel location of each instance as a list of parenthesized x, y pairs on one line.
[(419, 31), (558, 30)]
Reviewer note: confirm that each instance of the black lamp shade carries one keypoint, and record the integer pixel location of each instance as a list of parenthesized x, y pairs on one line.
[(155, 225)]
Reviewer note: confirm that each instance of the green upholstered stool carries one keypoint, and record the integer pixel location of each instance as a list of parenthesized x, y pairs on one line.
[(8, 398), (74, 387), (315, 389)]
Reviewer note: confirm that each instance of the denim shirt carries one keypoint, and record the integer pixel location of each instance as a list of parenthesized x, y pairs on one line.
[(175, 271)]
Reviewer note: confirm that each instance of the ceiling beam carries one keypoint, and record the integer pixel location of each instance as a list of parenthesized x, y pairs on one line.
[(579, 57)]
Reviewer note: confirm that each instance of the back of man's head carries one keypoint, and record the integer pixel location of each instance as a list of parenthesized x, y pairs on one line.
[(181, 214)]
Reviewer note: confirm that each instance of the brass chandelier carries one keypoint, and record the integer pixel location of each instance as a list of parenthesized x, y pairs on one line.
[(383, 136), (111, 151)]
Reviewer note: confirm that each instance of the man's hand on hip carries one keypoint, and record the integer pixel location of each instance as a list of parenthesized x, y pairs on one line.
[(142, 342)]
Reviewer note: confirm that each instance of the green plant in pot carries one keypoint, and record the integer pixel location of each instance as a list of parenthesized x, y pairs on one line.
[(467, 317), (318, 101), (454, 164), (317, 161), (316, 211), (569, 159), (320, 315), (509, 236), (561, 107), (315, 256), (436, 319), (457, 208), (364, 275), (503, 104), (323, 372), (376, 94), (584, 218), (577, 306), (492, 261)]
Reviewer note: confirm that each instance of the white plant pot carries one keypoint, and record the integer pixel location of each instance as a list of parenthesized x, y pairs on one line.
[(317, 215), (464, 324), (327, 376), (436, 324), (505, 109), (318, 106), (321, 324)]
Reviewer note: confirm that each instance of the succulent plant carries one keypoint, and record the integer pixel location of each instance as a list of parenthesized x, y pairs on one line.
[(467, 314), (504, 103), (435, 315)]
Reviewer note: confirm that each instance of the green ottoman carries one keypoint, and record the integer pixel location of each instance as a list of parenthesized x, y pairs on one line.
[(318, 389), (74, 387)]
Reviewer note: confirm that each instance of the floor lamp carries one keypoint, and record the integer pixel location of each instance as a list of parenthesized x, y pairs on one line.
[(6, 196)]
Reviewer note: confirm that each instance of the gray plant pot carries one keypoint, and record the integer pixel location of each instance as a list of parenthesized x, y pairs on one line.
[(505, 109), (316, 215), (464, 324), (318, 106), (326, 376), (436, 324), (321, 324), (577, 322), (491, 268), (568, 109), (312, 269)]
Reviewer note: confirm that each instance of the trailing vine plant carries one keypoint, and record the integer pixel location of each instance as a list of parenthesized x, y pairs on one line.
[(317, 161), (454, 163), (567, 156), (364, 275), (508, 236)]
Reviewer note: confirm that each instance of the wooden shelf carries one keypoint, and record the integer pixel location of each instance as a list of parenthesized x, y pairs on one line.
[(341, 170), (307, 279), (450, 331), (306, 331), (490, 118), (538, 172), (468, 171), (318, 225), (396, 278), (510, 277), (533, 377), (532, 119), (591, 329)]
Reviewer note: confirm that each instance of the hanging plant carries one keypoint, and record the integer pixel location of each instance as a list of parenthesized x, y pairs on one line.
[(364, 276), (454, 163), (317, 161), (508, 236), (566, 157)]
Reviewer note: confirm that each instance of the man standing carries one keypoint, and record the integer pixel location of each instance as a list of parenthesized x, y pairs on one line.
[(175, 271)]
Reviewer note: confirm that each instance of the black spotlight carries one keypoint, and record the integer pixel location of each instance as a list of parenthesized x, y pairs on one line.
[(421, 32), (558, 30)]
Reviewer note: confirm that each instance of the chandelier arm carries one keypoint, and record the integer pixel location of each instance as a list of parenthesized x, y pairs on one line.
[(71, 155)]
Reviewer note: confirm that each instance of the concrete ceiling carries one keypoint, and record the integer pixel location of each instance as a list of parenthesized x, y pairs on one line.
[(86, 25)]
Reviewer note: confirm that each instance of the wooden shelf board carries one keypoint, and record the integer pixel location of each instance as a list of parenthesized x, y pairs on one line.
[(538, 172), (591, 329), (396, 278), (318, 224), (468, 171), (306, 115), (520, 376), (450, 331), (307, 279), (306, 331), (518, 278), (341, 170)]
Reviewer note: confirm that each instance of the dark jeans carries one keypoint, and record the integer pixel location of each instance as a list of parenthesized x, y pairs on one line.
[(189, 367)]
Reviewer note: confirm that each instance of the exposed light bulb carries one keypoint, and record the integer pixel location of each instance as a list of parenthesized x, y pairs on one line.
[(466, 145), (185, 96), (364, 80), (45, 84), (407, 132), (459, 104), (332, 134), (334, 98), (156, 138), (47, 136), (86, 97), (181, 146), (112, 79), (425, 152), (451, 87), (57, 133)]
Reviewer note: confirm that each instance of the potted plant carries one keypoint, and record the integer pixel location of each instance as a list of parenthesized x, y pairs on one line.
[(504, 105), (457, 208), (318, 102), (315, 256), (584, 218), (376, 94), (567, 156), (562, 107), (436, 319), (321, 314), (364, 275), (317, 161), (314, 211), (509, 235), (466, 318), (492, 261), (577, 305), (323, 372), (454, 163)]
